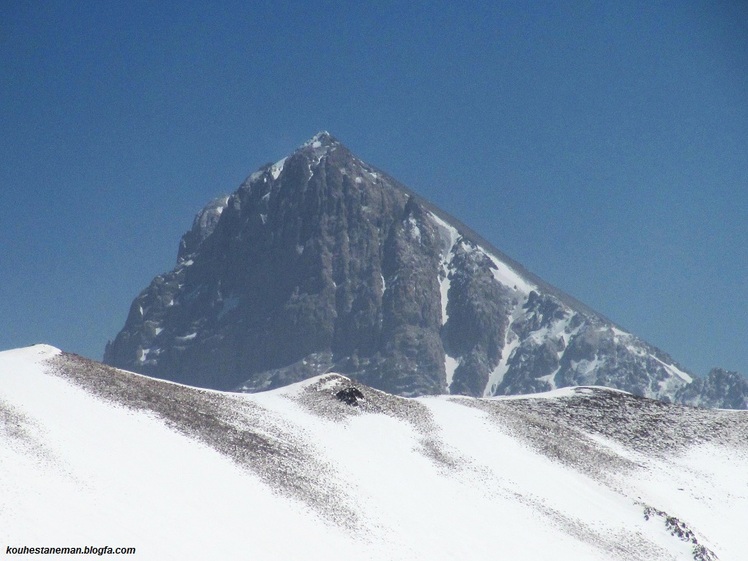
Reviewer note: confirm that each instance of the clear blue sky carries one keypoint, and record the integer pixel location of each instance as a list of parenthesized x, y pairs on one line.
[(604, 145)]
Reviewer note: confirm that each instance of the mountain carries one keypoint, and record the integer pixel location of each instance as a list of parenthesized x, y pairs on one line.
[(721, 388), (321, 262), (331, 469)]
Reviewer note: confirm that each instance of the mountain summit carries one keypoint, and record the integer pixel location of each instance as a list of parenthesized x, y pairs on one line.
[(320, 262)]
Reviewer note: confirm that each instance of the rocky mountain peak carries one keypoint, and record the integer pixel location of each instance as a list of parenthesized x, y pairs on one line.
[(318, 147), (321, 140), (322, 263)]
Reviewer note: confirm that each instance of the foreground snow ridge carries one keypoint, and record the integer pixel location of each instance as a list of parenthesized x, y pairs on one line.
[(331, 469)]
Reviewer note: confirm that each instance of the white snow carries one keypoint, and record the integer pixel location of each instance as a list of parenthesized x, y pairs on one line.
[(144, 354), (94, 474), (448, 233), (508, 277), (188, 337), (449, 236), (675, 371), (503, 273), (413, 229), (559, 329), (277, 168), (444, 284), (450, 365), (77, 469)]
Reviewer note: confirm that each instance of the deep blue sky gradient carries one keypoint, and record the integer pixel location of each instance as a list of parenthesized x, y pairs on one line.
[(604, 145)]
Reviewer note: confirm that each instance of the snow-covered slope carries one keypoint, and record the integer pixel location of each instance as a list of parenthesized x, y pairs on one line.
[(331, 469)]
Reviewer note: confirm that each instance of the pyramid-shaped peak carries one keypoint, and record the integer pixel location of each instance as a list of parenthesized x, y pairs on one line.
[(321, 140)]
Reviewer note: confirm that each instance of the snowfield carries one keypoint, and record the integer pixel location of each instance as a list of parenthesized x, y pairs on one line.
[(329, 469)]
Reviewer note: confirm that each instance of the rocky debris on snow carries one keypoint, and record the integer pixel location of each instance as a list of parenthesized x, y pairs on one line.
[(680, 530), (228, 423)]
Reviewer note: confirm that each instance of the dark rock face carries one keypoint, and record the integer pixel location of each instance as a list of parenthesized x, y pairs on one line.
[(320, 263), (478, 310), (286, 279)]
